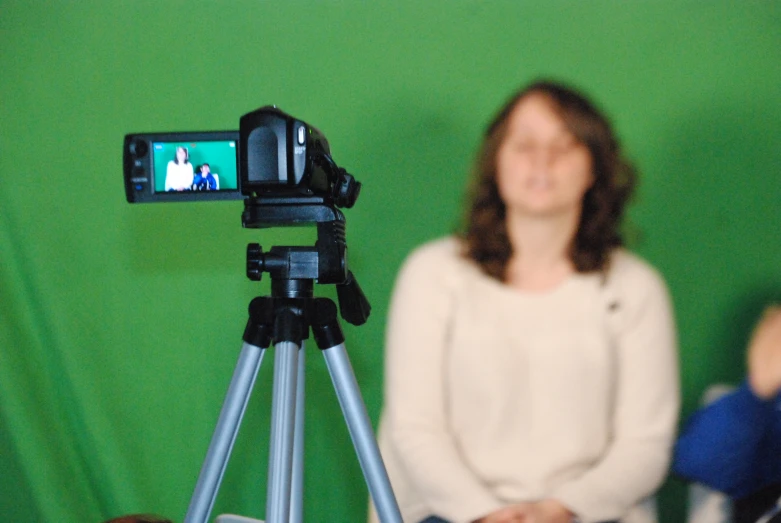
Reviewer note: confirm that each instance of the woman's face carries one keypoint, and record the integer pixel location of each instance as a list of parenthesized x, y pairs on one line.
[(181, 155), (541, 169)]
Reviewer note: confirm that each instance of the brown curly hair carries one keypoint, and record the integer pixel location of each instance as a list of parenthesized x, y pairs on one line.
[(485, 235)]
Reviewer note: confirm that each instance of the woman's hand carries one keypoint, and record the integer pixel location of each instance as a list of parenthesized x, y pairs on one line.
[(510, 514), (545, 511)]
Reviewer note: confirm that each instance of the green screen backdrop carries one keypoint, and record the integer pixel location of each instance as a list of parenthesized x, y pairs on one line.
[(120, 327)]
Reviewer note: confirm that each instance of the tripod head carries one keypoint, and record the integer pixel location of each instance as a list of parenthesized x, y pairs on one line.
[(325, 263)]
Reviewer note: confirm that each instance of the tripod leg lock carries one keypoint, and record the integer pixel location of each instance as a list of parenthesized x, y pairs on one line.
[(325, 324), (260, 322)]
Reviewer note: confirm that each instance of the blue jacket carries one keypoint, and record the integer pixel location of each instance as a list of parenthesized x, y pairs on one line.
[(204, 183), (732, 445)]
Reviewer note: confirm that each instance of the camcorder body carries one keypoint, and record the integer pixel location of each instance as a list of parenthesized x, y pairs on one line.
[(273, 159)]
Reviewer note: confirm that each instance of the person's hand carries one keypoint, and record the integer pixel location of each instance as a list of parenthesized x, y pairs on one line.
[(764, 355), (509, 514), (545, 511)]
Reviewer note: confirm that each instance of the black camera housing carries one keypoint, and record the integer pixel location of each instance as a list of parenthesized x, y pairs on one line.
[(282, 157)]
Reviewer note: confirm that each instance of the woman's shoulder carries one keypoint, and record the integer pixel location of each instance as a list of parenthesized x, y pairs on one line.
[(627, 265), (439, 257), (632, 275), (441, 249)]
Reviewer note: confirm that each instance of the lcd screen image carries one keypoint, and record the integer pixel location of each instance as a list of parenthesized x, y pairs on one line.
[(194, 166)]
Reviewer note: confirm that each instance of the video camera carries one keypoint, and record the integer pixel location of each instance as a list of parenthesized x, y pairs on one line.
[(273, 160)]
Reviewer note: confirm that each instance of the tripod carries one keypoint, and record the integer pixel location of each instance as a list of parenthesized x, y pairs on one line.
[(285, 318)]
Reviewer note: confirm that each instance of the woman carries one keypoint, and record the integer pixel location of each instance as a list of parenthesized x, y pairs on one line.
[(531, 365), (179, 173)]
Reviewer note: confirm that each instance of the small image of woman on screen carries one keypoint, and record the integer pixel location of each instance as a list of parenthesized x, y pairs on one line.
[(179, 174)]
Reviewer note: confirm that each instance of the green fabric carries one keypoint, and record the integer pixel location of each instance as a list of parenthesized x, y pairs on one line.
[(120, 324)]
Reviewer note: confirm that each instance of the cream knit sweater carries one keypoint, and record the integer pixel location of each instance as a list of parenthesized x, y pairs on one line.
[(495, 396)]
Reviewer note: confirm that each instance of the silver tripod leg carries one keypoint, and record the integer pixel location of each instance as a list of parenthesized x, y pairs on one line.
[(283, 416), (297, 494), (297, 479), (225, 433), (361, 432)]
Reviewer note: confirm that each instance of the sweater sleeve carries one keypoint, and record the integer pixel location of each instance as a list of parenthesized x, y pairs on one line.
[(725, 444), (646, 404), (414, 397)]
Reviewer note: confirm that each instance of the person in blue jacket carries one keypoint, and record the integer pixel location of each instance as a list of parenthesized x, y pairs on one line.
[(733, 445), (204, 180)]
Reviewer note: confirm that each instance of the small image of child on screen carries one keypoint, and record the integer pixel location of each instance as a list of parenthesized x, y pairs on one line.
[(179, 173), (205, 180)]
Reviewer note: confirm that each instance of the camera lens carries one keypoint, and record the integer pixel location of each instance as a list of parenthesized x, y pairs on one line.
[(139, 148)]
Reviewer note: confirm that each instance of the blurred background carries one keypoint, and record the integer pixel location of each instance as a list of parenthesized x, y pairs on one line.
[(120, 324)]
